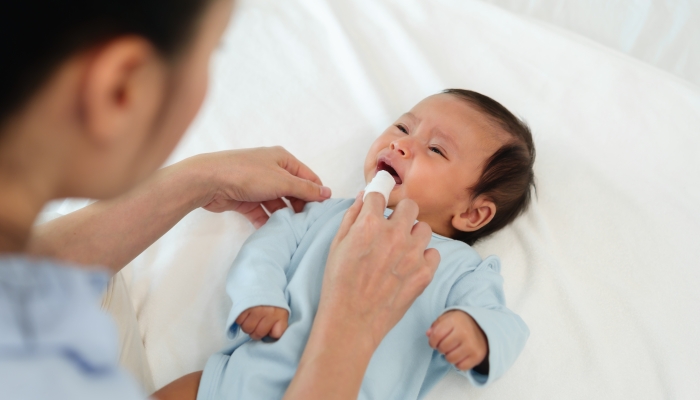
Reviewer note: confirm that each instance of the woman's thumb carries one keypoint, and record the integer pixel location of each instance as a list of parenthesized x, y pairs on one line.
[(306, 190)]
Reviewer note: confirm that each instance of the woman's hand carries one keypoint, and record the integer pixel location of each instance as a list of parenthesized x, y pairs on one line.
[(239, 180), (376, 268), (244, 180)]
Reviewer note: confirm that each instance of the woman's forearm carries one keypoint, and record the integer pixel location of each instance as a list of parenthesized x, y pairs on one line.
[(334, 361), (375, 269), (112, 233)]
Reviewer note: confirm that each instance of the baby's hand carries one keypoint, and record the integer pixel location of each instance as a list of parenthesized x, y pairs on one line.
[(263, 321), (456, 335)]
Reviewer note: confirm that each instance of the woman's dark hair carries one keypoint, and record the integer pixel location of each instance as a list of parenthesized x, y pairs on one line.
[(508, 176), (37, 35)]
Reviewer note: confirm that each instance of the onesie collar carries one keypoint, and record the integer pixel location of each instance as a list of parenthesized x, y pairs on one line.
[(389, 211)]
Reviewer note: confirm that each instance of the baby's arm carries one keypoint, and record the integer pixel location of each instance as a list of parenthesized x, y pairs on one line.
[(490, 335), (262, 321), (459, 338), (258, 276)]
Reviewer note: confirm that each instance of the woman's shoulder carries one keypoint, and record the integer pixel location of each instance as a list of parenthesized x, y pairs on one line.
[(51, 322), (46, 303), (50, 275)]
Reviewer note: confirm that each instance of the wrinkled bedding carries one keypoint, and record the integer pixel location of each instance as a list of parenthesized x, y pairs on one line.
[(604, 267)]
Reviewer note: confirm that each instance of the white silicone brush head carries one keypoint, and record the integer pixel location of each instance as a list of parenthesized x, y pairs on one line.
[(382, 183)]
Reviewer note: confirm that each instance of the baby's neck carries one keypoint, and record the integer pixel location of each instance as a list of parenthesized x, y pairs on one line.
[(444, 229)]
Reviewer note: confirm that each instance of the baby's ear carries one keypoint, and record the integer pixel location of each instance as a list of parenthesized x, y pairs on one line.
[(480, 212)]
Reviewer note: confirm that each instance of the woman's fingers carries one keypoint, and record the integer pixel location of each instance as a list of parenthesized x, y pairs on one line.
[(421, 235), (301, 182), (254, 176), (377, 266), (348, 220), (422, 276), (256, 215), (432, 259), (405, 214), (296, 167), (373, 204), (274, 205), (302, 189), (422, 232), (297, 204)]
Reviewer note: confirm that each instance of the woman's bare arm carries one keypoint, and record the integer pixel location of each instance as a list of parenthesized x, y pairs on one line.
[(113, 232)]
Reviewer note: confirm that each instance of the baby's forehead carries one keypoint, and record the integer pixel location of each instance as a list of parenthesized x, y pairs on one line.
[(462, 121)]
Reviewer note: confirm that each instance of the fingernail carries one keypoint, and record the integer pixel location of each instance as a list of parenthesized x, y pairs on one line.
[(257, 224), (325, 191)]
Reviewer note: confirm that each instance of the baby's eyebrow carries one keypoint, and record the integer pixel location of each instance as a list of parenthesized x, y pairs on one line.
[(446, 137), (411, 116)]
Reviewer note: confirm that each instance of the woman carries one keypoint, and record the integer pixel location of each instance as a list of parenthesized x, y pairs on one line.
[(94, 96)]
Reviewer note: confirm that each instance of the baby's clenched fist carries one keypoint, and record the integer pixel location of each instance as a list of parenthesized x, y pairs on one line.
[(459, 338), (262, 321)]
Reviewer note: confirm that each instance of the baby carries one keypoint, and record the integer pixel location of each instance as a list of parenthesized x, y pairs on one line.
[(467, 162)]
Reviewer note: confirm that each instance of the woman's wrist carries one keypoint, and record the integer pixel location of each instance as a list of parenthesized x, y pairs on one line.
[(332, 326), (138, 218), (190, 180), (335, 359)]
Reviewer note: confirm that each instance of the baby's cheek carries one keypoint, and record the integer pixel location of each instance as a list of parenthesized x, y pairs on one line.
[(394, 199), (368, 174)]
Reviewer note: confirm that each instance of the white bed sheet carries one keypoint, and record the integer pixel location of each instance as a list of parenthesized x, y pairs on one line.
[(604, 267), (663, 33)]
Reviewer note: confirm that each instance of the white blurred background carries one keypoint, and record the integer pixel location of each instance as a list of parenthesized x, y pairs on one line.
[(663, 33)]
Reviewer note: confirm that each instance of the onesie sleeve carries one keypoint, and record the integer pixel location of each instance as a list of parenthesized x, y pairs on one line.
[(258, 276), (479, 293)]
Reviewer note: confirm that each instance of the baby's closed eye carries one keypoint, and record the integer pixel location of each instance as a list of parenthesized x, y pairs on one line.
[(436, 150)]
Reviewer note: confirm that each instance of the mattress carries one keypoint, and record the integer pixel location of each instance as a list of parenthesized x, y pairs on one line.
[(604, 267)]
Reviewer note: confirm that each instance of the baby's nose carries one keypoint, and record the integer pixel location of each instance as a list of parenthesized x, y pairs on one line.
[(400, 147)]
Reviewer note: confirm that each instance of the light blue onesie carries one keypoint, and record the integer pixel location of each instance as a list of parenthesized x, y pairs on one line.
[(282, 265)]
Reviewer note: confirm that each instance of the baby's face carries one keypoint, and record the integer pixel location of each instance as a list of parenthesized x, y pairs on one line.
[(435, 152)]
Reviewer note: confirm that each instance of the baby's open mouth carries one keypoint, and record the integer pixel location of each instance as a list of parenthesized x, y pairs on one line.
[(382, 166)]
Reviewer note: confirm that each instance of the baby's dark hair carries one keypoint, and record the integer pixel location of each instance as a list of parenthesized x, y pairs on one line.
[(508, 177), (37, 35)]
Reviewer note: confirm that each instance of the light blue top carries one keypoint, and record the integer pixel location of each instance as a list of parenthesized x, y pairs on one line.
[(55, 342), (282, 265)]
